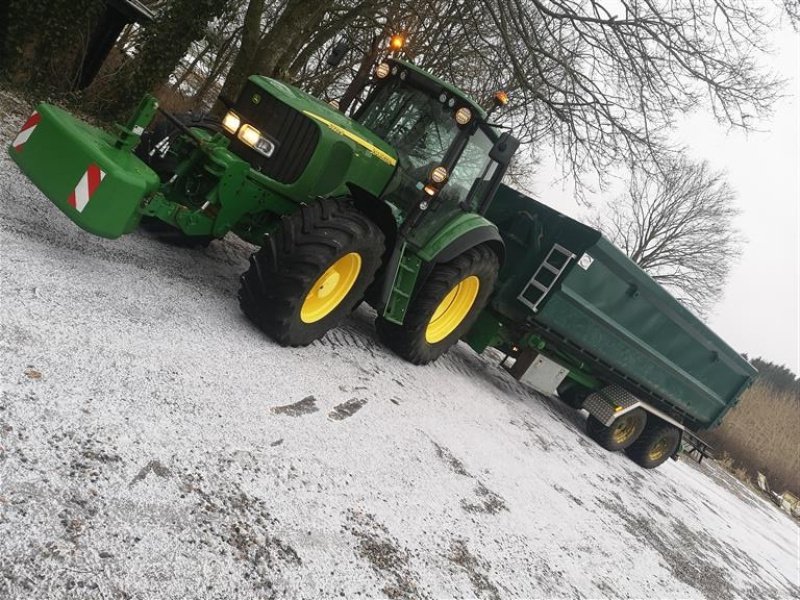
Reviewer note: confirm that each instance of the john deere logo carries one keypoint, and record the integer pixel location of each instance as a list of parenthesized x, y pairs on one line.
[(256, 98)]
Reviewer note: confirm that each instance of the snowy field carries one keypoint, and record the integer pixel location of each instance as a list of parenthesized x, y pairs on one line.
[(153, 444)]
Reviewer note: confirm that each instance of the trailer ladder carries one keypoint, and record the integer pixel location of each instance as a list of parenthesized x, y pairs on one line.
[(545, 277)]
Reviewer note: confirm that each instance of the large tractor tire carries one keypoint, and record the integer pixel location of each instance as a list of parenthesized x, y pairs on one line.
[(153, 150), (312, 272), (623, 432), (444, 308), (655, 445)]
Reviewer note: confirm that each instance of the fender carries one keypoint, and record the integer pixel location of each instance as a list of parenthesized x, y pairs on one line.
[(459, 235)]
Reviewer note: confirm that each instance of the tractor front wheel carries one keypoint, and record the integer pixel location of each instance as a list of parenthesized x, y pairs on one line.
[(312, 272), (444, 308)]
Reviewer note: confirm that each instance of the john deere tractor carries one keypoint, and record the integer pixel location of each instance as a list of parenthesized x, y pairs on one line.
[(385, 206)]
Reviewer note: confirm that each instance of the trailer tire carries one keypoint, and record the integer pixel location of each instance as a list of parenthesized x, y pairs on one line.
[(655, 445), (418, 339), (623, 432), (327, 246)]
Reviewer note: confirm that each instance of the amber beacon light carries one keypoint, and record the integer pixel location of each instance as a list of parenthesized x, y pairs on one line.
[(501, 98), (397, 42)]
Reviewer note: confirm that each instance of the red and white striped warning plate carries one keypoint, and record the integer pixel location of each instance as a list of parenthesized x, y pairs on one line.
[(86, 188), (26, 131)]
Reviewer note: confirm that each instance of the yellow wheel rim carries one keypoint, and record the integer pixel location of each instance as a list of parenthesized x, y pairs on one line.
[(453, 309), (624, 429), (659, 450), (331, 288)]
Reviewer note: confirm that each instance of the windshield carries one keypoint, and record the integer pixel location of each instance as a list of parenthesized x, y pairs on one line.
[(419, 127), (473, 172)]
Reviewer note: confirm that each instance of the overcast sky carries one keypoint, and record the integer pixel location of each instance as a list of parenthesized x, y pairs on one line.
[(759, 311)]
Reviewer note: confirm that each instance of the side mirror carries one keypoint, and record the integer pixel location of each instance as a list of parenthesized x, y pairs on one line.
[(340, 49), (504, 149)]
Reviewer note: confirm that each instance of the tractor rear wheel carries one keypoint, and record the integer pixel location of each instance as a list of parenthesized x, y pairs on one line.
[(655, 445), (312, 272), (444, 308), (623, 432)]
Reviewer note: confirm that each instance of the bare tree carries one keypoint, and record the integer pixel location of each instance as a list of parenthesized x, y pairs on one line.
[(162, 46), (679, 227), (600, 81)]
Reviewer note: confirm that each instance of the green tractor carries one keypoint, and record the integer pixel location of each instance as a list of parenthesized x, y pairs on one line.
[(387, 206)]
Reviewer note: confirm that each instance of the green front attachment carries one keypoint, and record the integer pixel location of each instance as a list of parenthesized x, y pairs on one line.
[(89, 174)]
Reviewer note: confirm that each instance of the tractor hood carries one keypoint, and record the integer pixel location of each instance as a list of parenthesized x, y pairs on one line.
[(329, 118)]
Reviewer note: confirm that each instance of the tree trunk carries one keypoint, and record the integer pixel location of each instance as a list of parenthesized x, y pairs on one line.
[(367, 63), (223, 58), (190, 69), (292, 26), (246, 57), (300, 38)]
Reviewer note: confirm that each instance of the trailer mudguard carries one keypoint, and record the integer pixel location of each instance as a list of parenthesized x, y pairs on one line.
[(79, 168)]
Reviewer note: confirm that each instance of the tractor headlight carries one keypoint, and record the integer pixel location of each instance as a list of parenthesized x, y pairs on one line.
[(382, 70), (253, 138), (463, 115), (438, 175), (231, 122)]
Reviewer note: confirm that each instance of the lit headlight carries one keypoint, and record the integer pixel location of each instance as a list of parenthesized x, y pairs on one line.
[(231, 122), (253, 138)]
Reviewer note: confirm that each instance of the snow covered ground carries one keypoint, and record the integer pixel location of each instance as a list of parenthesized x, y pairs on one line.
[(153, 444)]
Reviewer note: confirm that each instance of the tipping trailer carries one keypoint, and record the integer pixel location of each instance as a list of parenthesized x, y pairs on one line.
[(582, 319)]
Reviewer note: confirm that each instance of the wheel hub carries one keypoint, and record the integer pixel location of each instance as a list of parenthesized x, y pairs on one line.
[(331, 288), (453, 309), (658, 450), (624, 430)]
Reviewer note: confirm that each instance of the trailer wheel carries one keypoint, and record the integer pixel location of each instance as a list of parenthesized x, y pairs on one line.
[(444, 308), (655, 445), (153, 150), (623, 432), (312, 272)]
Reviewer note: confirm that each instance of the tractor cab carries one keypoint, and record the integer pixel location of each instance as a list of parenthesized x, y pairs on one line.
[(441, 137), (449, 158)]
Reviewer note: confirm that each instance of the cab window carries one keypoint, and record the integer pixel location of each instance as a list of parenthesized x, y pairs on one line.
[(472, 173), (418, 126)]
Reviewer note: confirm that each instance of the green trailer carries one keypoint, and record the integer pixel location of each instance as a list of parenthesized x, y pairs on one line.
[(578, 316)]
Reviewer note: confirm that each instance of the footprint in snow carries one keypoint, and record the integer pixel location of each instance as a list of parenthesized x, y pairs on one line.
[(346, 409), (305, 406)]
